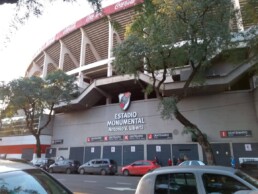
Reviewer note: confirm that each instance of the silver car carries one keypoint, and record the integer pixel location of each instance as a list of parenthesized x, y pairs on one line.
[(66, 166), (99, 166), (192, 163), (196, 180)]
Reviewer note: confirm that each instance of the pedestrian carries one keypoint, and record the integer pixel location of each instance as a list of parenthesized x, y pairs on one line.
[(233, 162), (169, 162), (156, 159), (174, 161), (179, 160), (185, 158)]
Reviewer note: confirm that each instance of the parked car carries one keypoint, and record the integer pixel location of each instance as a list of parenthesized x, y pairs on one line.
[(250, 167), (46, 163), (19, 177), (43, 163), (139, 167), (66, 166), (99, 166), (196, 180), (191, 163)]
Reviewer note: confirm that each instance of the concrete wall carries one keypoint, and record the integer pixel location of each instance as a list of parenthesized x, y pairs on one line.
[(212, 113), (255, 99), (227, 111)]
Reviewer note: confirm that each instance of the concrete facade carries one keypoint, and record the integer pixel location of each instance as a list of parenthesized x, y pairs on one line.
[(228, 111)]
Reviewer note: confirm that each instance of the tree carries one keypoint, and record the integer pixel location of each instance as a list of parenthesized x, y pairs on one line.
[(36, 97), (166, 35), (251, 15), (26, 8), (250, 11)]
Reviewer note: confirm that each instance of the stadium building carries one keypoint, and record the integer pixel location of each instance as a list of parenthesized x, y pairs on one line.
[(113, 118)]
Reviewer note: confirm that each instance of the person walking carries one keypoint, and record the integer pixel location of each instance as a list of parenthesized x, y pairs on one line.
[(156, 160), (179, 160), (233, 162), (174, 161), (169, 162)]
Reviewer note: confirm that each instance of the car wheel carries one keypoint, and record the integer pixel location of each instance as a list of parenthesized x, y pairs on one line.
[(126, 173), (50, 170), (103, 172), (68, 171), (82, 171)]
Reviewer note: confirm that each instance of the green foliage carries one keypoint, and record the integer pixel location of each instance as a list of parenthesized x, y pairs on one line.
[(148, 89), (96, 4), (34, 95), (116, 25), (129, 55), (167, 107), (166, 35), (250, 11), (59, 87)]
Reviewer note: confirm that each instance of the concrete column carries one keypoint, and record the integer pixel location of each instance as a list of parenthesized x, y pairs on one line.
[(83, 48), (239, 18), (108, 100), (47, 60), (45, 65), (145, 95), (110, 47), (61, 56), (82, 57), (255, 100), (81, 83)]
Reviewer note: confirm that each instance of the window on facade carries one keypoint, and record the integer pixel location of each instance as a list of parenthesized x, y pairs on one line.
[(221, 184), (176, 183)]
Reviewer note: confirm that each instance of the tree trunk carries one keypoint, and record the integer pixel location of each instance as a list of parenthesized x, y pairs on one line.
[(201, 139), (38, 146)]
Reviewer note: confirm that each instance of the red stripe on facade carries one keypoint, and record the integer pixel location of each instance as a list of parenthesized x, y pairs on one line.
[(17, 149)]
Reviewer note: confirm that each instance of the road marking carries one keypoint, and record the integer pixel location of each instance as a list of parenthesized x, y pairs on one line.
[(89, 181), (119, 183), (120, 188)]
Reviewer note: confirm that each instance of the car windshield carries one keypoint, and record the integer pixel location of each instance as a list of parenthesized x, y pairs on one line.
[(30, 181), (247, 178)]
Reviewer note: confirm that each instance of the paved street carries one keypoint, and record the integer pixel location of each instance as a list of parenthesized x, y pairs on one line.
[(96, 184)]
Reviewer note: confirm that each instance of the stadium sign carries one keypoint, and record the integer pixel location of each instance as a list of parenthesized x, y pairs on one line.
[(235, 133), (126, 121), (124, 100)]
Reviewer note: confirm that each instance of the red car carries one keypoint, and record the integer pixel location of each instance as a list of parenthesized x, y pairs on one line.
[(139, 167)]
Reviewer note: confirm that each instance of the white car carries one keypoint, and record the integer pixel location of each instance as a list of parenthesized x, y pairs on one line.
[(196, 180), (192, 163)]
